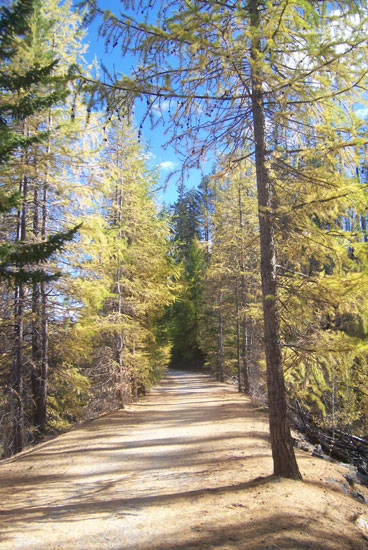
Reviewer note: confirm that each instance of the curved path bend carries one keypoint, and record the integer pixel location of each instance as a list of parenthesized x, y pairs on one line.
[(188, 467)]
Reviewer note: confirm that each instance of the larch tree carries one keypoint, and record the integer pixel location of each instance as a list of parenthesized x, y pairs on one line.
[(126, 275), (233, 73)]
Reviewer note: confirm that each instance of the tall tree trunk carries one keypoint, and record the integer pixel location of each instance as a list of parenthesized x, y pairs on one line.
[(36, 327), (44, 327), (36, 357), (119, 189), (133, 377), (119, 347), (44, 364), (244, 347), (238, 351), (220, 342), (40, 334), (285, 464), (250, 333), (244, 353), (17, 366), (39, 311), (17, 372)]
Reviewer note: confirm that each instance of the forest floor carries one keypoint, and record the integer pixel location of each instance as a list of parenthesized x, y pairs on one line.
[(186, 468)]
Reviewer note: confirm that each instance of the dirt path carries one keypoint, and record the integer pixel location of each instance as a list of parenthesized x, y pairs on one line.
[(186, 468)]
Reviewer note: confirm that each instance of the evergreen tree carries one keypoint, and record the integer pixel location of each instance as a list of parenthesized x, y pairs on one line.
[(230, 308), (33, 84), (21, 98), (184, 315)]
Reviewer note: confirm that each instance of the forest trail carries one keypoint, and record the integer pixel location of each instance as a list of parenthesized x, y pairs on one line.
[(188, 467)]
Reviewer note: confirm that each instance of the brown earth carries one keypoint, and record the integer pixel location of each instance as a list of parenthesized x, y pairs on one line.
[(188, 467)]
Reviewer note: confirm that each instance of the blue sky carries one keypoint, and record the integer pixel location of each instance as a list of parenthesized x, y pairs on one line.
[(165, 158)]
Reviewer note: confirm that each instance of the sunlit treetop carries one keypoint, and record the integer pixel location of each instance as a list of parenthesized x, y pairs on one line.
[(195, 62)]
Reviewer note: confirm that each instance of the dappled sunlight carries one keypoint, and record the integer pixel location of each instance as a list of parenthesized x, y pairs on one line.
[(189, 466)]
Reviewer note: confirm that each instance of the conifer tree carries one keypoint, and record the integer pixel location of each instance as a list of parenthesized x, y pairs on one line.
[(234, 74), (19, 87), (183, 316), (33, 84), (233, 272), (126, 278)]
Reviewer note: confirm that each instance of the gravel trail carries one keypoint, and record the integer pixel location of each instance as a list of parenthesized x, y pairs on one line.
[(187, 467)]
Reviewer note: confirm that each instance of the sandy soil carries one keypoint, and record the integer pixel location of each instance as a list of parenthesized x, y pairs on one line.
[(188, 467)]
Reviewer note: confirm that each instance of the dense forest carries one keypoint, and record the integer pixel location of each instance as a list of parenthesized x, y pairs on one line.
[(259, 274)]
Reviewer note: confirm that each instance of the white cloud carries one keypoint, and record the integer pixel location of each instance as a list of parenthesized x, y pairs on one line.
[(167, 165), (147, 155), (362, 112), (162, 107)]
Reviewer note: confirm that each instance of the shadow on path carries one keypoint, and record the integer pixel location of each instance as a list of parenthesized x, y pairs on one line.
[(185, 468)]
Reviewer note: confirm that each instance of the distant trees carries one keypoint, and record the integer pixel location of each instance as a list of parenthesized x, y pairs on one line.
[(233, 278), (183, 316)]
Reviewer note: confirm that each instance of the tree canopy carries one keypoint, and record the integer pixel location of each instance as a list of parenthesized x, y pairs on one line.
[(273, 82)]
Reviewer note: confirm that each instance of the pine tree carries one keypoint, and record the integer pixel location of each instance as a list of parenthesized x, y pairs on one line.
[(19, 100)]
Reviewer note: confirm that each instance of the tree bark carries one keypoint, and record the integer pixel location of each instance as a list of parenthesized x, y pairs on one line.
[(244, 346), (39, 311), (119, 347), (36, 328), (244, 352), (17, 366), (285, 464), (40, 341), (220, 343), (17, 372), (44, 326), (119, 198), (36, 357), (238, 352)]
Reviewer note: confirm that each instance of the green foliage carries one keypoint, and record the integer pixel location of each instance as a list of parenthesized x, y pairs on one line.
[(14, 256), (20, 86), (36, 175), (67, 400), (183, 316), (127, 277), (25, 92), (13, 23), (231, 313), (7, 202), (186, 218)]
